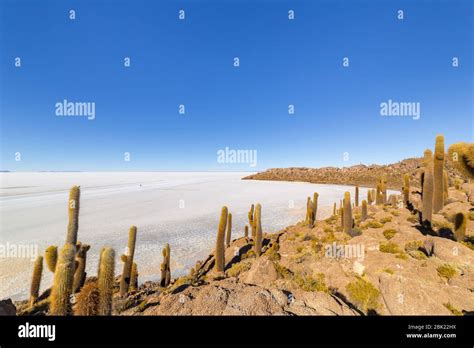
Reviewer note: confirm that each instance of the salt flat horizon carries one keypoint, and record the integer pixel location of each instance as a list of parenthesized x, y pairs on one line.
[(179, 208)]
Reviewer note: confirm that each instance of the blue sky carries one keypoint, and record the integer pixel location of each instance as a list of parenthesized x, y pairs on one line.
[(190, 62)]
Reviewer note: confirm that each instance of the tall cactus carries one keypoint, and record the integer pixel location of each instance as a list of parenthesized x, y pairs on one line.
[(309, 213), (460, 223), (406, 190), (315, 206), (438, 180), (370, 200), (36, 280), (427, 199), (379, 194), (127, 266), (258, 230), (80, 271), (251, 220), (356, 199), (228, 236), (246, 231), (347, 227), (51, 257), (134, 278), (62, 284), (219, 253), (166, 267), (445, 185), (73, 213), (106, 280), (334, 209), (363, 214)]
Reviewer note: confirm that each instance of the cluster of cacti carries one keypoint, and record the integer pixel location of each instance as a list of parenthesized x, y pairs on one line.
[(229, 231), (363, 213), (347, 214), (312, 210), (438, 176), (258, 230), (127, 259), (36, 280), (166, 267), (460, 223), (220, 247), (462, 156), (427, 193), (406, 190), (51, 257), (80, 266), (61, 290)]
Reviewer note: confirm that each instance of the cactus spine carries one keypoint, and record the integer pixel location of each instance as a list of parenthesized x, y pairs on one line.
[(51, 257), (347, 226), (166, 267), (127, 266), (62, 284), (219, 263), (73, 213), (363, 214), (438, 180), (356, 200), (36, 280), (80, 274), (229, 230), (427, 199), (106, 280), (258, 230)]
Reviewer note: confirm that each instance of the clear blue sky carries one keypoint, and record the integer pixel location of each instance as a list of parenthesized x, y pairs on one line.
[(190, 62)]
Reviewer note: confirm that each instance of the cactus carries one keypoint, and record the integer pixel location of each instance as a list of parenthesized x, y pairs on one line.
[(445, 186), (251, 220), (166, 267), (258, 230), (87, 301), (379, 194), (134, 278), (315, 206), (219, 253), (127, 266), (62, 284), (334, 209), (341, 210), (438, 180), (370, 200), (347, 226), (73, 213), (36, 280), (406, 190), (392, 199), (309, 213), (246, 231), (462, 156), (363, 214), (106, 280), (356, 199), (51, 257), (79, 273), (229, 230), (460, 222), (427, 199)]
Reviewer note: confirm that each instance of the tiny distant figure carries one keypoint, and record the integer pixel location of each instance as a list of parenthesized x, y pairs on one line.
[(140, 185)]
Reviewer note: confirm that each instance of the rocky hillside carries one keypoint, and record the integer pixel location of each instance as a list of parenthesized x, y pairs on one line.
[(362, 175)]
